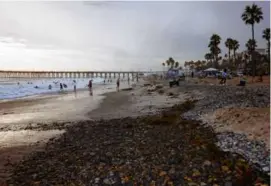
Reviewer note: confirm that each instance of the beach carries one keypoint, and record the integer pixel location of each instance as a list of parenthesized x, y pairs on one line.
[(146, 134)]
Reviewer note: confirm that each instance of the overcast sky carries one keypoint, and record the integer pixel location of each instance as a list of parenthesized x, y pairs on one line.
[(117, 35)]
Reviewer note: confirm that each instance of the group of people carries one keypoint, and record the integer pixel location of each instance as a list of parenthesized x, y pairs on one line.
[(63, 85)]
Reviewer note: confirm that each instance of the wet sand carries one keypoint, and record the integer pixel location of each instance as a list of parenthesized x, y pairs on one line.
[(26, 124), (67, 106)]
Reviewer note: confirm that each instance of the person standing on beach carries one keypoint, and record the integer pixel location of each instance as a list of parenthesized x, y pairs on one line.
[(118, 84), (61, 86), (74, 85), (90, 87)]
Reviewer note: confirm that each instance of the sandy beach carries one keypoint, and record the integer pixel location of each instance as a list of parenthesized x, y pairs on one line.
[(30, 125)]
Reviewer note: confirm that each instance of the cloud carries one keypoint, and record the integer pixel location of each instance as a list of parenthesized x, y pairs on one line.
[(114, 35)]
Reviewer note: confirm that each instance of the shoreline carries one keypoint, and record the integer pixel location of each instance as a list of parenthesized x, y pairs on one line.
[(134, 103), (50, 93)]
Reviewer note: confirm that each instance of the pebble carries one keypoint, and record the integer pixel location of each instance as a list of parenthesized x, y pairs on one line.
[(228, 184), (223, 96), (97, 180)]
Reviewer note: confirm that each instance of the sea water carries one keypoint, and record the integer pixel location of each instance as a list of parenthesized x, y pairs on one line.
[(17, 88)]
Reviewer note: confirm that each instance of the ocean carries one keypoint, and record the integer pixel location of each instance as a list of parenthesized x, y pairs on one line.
[(17, 88)]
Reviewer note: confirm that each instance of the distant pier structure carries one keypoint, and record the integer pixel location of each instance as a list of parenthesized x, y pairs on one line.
[(71, 74)]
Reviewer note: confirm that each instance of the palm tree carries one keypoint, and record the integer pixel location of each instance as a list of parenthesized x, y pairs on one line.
[(176, 64), (229, 45), (214, 48), (171, 62), (251, 45), (168, 62), (186, 63), (235, 47), (208, 56), (252, 15), (266, 36), (191, 65)]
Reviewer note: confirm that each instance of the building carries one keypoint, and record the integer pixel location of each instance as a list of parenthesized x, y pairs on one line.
[(262, 51)]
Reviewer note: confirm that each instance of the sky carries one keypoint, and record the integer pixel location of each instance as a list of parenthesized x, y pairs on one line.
[(117, 35)]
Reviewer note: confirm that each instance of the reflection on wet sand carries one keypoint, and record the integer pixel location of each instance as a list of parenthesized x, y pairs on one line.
[(64, 107)]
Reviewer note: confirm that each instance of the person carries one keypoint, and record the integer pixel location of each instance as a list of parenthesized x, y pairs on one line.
[(74, 85), (242, 81), (61, 86), (50, 87), (90, 87), (104, 81), (118, 84), (192, 74), (224, 77)]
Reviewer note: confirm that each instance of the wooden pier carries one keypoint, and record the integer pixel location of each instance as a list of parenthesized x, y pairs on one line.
[(70, 74)]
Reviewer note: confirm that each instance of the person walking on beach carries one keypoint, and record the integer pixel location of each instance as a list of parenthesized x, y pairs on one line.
[(74, 85), (224, 77), (118, 84), (61, 86)]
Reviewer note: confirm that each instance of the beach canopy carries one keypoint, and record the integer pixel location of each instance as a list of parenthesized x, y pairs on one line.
[(210, 70)]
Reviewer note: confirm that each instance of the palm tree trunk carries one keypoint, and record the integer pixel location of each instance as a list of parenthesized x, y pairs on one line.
[(229, 56), (234, 57), (253, 61), (268, 50)]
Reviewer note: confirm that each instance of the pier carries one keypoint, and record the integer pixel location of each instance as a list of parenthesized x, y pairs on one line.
[(70, 74)]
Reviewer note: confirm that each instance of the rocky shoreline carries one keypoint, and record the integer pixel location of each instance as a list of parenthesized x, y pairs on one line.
[(255, 151), (158, 145), (162, 149)]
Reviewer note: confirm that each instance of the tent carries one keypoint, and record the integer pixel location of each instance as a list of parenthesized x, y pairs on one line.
[(211, 70)]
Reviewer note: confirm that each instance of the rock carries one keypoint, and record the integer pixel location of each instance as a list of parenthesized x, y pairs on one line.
[(161, 91), (147, 84), (207, 163), (159, 86), (151, 89), (109, 154), (171, 171), (109, 181), (192, 184), (97, 180), (266, 169), (228, 183)]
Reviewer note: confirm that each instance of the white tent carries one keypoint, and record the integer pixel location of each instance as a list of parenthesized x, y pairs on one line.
[(211, 70)]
